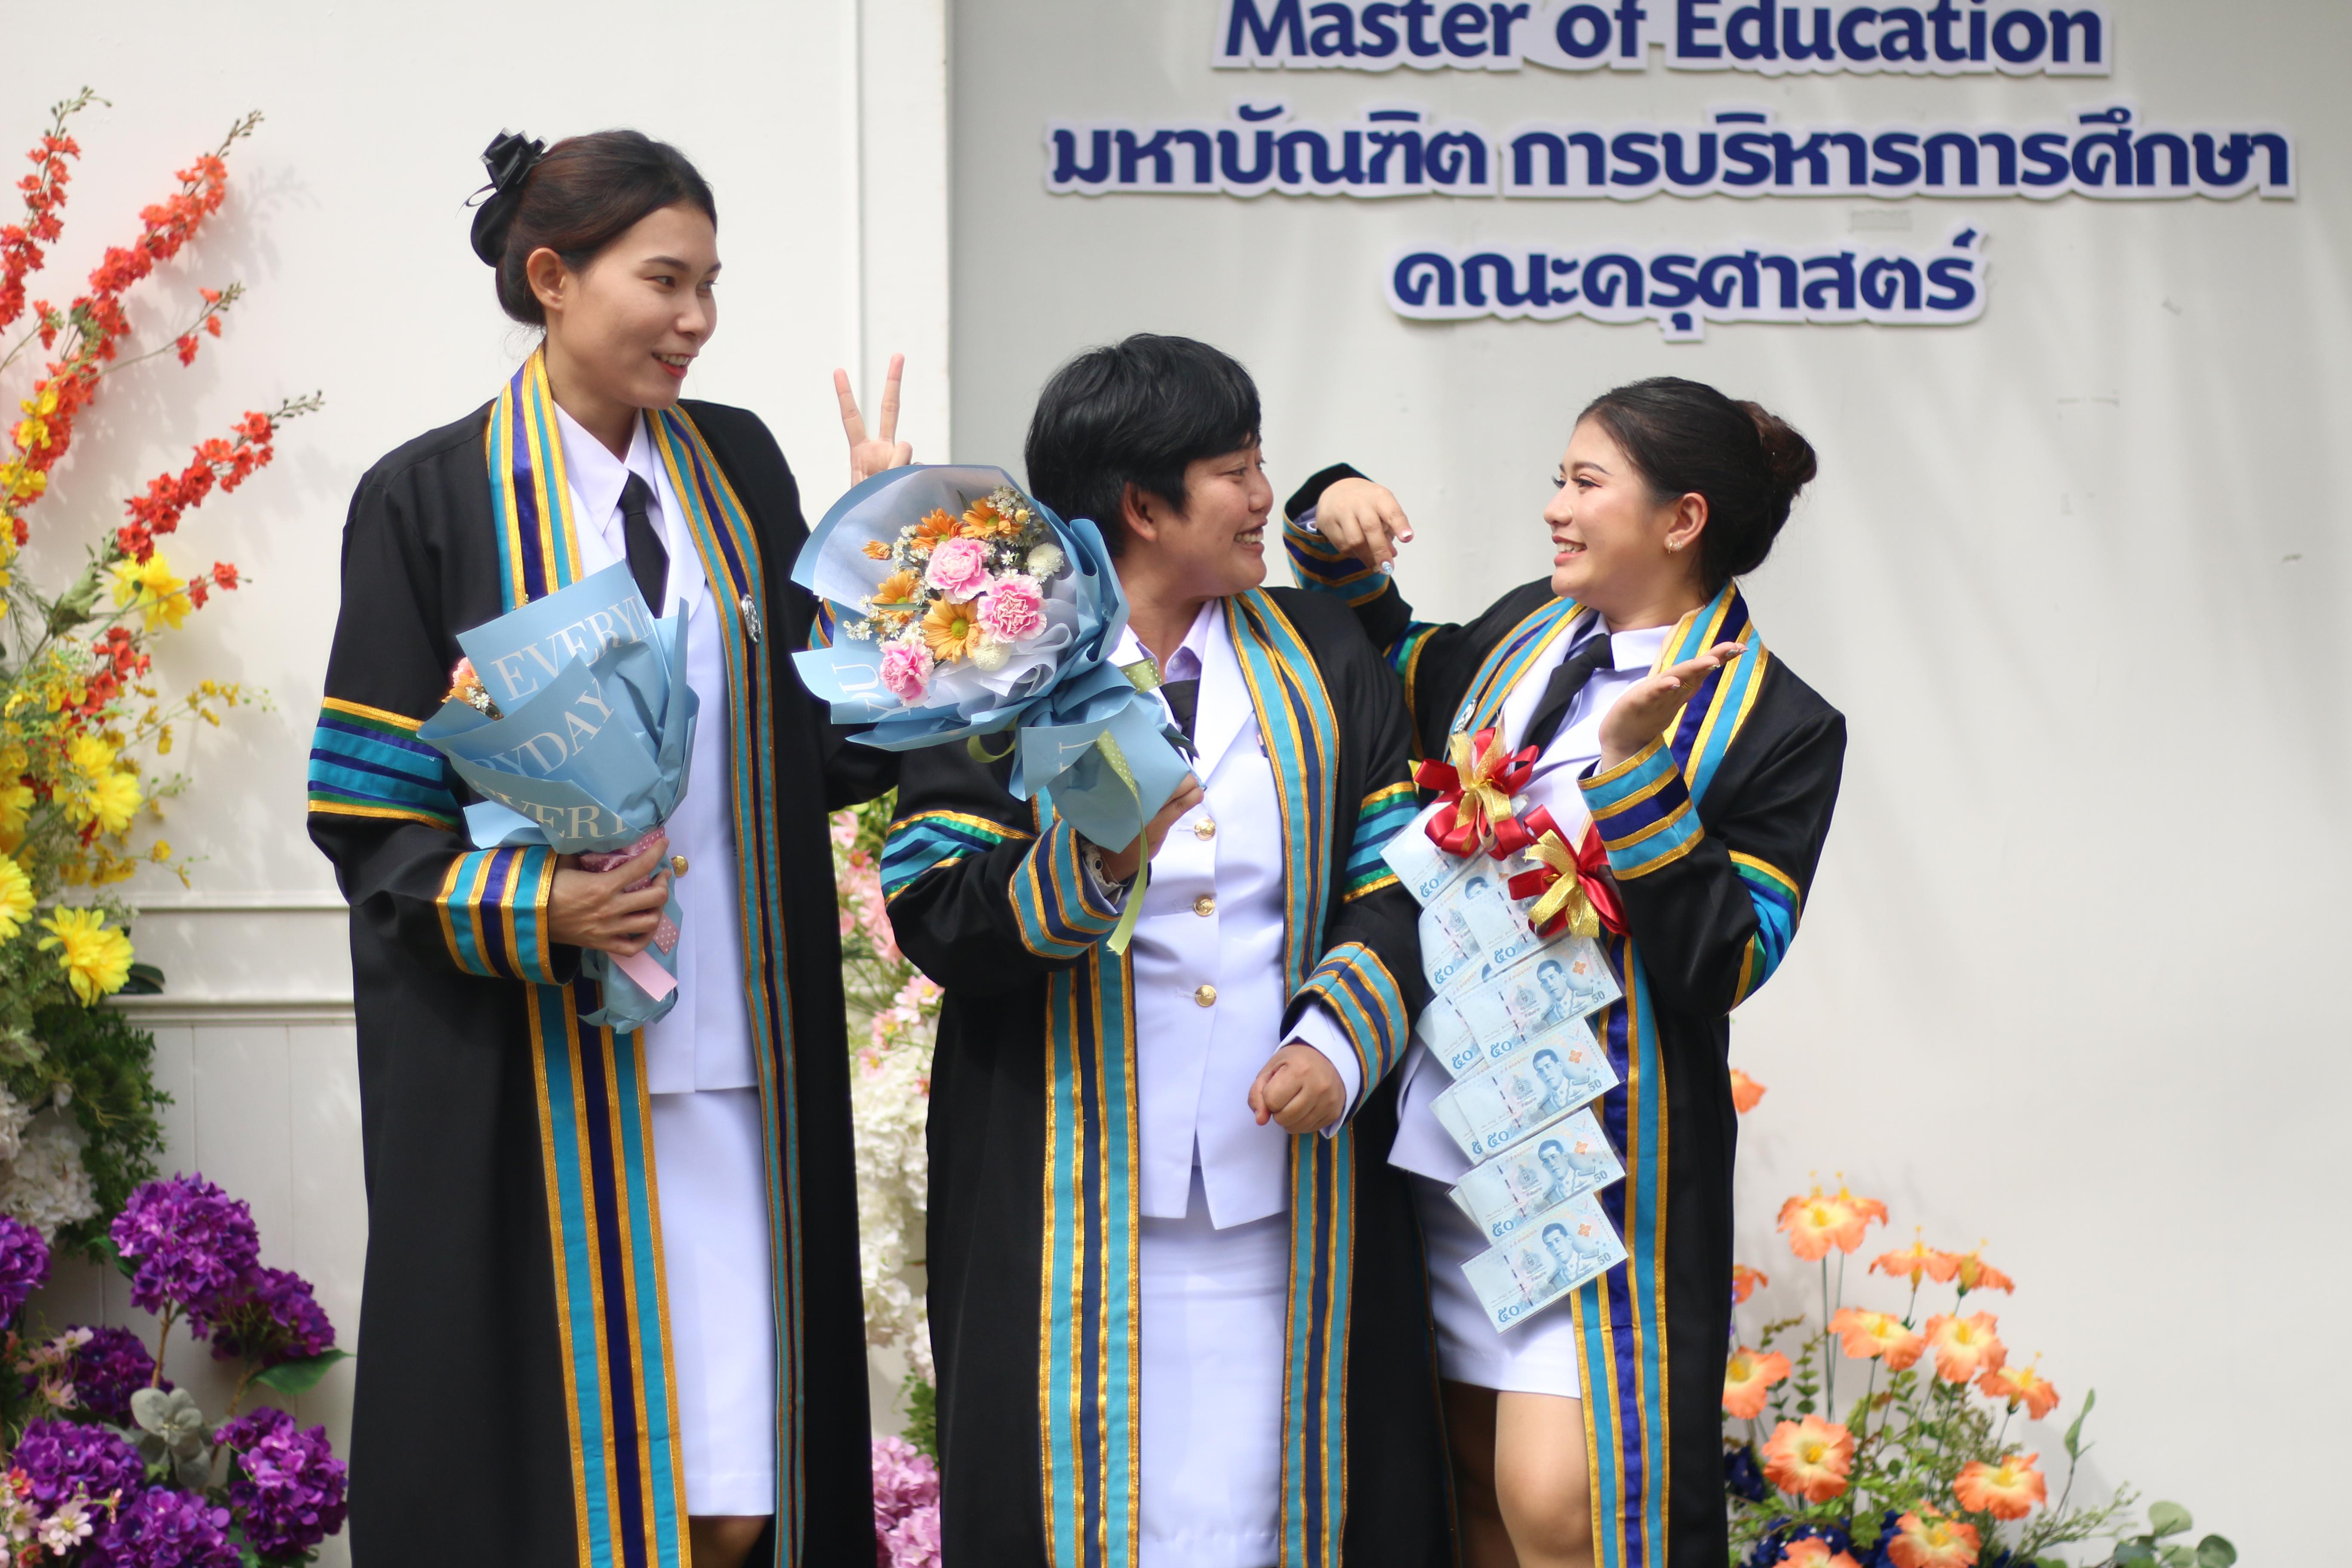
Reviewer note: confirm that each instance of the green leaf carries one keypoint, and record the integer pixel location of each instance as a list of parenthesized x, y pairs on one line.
[(291, 1377), (146, 980), (2213, 1552), (2180, 1555), (2168, 1519), (2132, 1551), (2074, 1432)]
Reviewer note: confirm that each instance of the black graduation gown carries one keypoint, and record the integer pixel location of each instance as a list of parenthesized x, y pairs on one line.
[(1032, 1190), (476, 1438), (1712, 836)]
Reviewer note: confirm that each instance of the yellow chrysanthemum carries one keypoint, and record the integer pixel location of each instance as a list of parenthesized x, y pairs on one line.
[(110, 801), (161, 598), (15, 899), (15, 806), (92, 756), (95, 957)]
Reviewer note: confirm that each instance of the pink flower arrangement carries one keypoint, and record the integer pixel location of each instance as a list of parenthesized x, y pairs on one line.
[(1015, 608), (906, 1506), (959, 569), (906, 670)]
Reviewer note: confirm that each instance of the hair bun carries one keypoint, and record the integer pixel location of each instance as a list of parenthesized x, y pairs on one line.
[(1789, 462)]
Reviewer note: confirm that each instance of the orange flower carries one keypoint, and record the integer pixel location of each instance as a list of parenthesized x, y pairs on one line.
[(2021, 1385), (2010, 1490), (1815, 1223), (1746, 1282), (936, 527), (1745, 1092), (983, 520), (1917, 1260), (876, 550), (1867, 1334), (902, 587), (1965, 1347), (1870, 1209), (1932, 1543), (1813, 1553), (1809, 1459), (1746, 1377), (951, 630), (1975, 1274)]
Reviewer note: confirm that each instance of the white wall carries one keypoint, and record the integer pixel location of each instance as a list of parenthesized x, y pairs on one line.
[(2074, 574), (821, 128)]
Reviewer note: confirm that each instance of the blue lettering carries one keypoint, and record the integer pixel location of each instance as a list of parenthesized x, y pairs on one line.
[(1850, 26), (2037, 38), (1335, 30), (1564, 31), (1893, 149), (1749, 33), (1976, 32), (2063, 26), (2046, 151), (1379, 39), (1629, 17), (1952, 272), (1463, 28), (1285, 31), (1640, 167), (1672, 272), (1416, 12), (1913, 31), (1824, 44), (1688, 26), (1940, 17), (1505, 16)]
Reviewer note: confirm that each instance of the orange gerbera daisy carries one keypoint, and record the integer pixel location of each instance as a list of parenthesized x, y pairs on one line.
[(1867, 1334), (935, 527), (1745, 1282), (1809, 1459), (2011, 1490), (1813, 1553), (1745, 1092), (2021, 1385), (983, 520), (900, 587), (1919, 1260), (1932, 1542), (1814, 1224), (1973, 1273), (876, 550), (1965, 1347), (1746, 1377), (951, 630)]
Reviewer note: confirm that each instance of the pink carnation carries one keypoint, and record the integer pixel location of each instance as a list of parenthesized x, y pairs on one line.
[(1015, 608), (906, 670), (959, 568)]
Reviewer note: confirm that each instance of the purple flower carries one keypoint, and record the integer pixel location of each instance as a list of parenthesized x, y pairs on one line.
[(24, 1264), (906, 1483), (107, 1370), (290, 1485), (58, 1456), (194, 1245), (275, 1319), (914, 1541), (166, 1528)]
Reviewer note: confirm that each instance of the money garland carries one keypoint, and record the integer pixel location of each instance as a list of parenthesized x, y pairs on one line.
[(1509, 924)]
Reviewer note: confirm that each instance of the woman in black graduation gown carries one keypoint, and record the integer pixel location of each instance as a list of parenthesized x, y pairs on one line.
[(1592, 1433), (562, 1363)]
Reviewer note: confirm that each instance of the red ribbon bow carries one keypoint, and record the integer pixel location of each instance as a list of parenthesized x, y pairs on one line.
[(1572, 888), (1477, 781)]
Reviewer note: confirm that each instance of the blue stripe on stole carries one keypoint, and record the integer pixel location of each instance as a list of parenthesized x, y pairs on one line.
[(643, 1224), (582, 1325), (598, 1110), (1511, 658)]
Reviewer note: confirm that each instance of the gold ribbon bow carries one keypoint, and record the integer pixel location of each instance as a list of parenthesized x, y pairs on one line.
[(1566, 898)]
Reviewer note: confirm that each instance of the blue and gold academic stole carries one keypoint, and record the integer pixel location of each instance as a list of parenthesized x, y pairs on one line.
[(1620, 1317), (603, 1209), (1089, 1374)]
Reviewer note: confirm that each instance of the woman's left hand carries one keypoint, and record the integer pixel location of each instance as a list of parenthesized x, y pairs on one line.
[(1641, 714), (884, 450), (1298, 1088)]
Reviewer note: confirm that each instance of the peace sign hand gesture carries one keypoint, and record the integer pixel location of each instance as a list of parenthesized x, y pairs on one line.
[(1640, 716), (869, 456)]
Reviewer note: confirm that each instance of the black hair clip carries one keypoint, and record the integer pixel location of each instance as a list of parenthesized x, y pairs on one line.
[(508, 158)]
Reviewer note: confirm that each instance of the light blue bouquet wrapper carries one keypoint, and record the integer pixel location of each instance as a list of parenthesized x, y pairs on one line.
[(1059, 696), (594, 751)]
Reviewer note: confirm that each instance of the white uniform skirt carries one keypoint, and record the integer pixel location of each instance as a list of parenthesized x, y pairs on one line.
[(1538, 1356), (711, 1163), (1215, 1304)]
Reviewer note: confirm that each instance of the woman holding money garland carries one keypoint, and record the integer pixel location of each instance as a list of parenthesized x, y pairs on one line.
[(568, 1365), (1590, 1434), (1176, 1296)]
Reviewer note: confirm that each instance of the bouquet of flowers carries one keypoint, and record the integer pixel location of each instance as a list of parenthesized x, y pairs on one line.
[(1920, 1470), (967, 609), (572, 718), (105, 1462)]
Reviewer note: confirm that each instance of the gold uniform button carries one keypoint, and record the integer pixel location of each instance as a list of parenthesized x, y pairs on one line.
[(1205, 828), (1206, 904), (1205, 995), (677, 865)]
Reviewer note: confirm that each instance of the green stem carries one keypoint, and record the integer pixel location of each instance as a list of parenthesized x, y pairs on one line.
[(162, 1337), (1829, 1359)]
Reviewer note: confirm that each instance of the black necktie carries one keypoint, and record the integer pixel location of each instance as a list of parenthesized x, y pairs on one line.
[(1585, 659), (1183, 700), (648, 557)]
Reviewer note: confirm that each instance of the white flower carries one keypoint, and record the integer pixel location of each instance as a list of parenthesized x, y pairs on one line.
[(65, 1528), (889, 1101), (46, 1186), (13, 1117), (1046, 561), (991, 652)]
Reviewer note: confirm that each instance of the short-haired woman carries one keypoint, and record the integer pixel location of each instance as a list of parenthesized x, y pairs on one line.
[(1176, 1294), (565, 1362), (1711, 771)]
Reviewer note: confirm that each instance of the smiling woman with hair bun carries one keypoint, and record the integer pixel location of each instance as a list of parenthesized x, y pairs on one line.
[(612, 1309), (1635, 686)]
